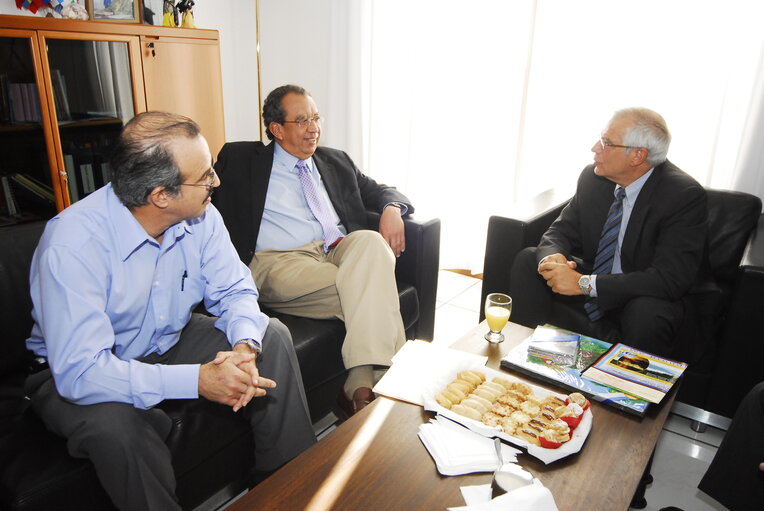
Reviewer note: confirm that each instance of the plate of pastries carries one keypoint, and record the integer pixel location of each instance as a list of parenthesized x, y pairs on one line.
[(493, 403)]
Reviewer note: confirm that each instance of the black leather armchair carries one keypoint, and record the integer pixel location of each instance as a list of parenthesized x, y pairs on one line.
[(213, 451), (716, 325)]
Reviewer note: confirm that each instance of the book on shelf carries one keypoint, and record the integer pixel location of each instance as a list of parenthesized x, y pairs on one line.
[(61, 99), (554, 345), (636, 372), (10, 201), (570, 377), (35, 186)]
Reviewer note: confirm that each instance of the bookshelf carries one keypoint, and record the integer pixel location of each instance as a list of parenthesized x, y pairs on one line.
[(67, 88)]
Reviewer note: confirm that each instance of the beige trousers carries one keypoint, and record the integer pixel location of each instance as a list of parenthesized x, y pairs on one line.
[(354, 282)]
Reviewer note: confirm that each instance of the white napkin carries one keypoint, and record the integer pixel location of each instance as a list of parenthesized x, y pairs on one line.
[(417, 364), (534, 497), (457, 450)]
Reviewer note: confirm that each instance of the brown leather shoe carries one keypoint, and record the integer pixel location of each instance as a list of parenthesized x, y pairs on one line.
[(361, 397)]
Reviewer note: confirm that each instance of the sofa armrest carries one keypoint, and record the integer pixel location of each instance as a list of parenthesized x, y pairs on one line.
[(418, 266), (741, 336), (507, 236)]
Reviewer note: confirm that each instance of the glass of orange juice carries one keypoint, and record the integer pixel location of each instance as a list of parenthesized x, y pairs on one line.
[(498, 307)]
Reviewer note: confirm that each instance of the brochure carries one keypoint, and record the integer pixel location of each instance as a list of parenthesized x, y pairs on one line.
[(637, 372)]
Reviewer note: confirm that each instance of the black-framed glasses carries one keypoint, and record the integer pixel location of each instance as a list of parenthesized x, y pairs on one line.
[(304, 123), (607, 143), (209, 185)]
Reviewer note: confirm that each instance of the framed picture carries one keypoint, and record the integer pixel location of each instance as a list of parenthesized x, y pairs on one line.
[(121, 11)]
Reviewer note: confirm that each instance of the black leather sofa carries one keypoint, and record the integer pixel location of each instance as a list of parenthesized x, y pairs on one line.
[(212, 451), (722, 330)]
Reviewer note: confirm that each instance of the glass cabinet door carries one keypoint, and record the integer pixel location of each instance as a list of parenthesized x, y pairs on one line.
[(26, 191), (92, 91)]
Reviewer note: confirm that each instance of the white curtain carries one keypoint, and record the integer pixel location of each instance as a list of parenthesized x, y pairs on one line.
[(473, 106)]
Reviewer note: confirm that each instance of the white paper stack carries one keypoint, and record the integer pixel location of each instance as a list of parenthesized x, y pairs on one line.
[(457, 450)]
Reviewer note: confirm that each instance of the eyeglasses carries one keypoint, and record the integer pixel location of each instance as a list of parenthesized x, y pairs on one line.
[(304, 123), (606, 143), (209, 185)]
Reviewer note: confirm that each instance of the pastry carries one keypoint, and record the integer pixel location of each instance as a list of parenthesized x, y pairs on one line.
[(462, 385), (473, 403), (491, 419), (502, 410), (466, 411), (579, 399), (521, 387), (528, 435), (531, 409), (510, 400), (474, 377), (520, 417), (486, 394)]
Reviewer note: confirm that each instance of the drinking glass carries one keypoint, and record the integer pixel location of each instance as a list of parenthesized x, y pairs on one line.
[(498, 307)]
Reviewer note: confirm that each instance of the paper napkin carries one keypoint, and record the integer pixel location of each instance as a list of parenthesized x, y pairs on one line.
[(534, 497), (457, 450), (417, 364)]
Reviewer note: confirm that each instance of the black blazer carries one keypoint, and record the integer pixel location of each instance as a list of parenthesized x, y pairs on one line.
[(665, 241), (244, 169)]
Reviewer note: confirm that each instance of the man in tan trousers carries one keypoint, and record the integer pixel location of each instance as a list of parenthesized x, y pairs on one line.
[(298, 213)]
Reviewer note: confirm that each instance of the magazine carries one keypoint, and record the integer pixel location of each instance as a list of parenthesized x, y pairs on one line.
[(569, 377), (637, 372)]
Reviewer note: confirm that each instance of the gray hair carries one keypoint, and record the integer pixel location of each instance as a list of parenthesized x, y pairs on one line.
[(142, 159), (649, 130)]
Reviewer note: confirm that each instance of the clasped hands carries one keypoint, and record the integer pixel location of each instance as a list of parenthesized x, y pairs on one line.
[(560, 274), (233, 379)]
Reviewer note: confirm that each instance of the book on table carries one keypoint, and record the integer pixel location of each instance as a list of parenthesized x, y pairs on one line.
[(637, 372), (570, 377)]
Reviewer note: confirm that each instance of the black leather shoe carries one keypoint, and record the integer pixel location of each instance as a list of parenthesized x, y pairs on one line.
[(361, 397)]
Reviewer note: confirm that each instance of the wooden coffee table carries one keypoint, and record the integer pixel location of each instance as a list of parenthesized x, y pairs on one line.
[(375, 459)]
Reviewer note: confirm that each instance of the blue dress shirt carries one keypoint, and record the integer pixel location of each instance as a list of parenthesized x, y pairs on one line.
[(105, 293), (287, 221)]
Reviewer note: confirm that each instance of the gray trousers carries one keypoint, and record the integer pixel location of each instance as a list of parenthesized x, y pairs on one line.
[(127, 445)]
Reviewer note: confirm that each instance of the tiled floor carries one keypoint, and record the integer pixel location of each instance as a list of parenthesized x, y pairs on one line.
[(681, 457)]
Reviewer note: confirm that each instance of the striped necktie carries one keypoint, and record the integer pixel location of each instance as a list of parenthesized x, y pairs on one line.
[(603, 261), (318, 206)]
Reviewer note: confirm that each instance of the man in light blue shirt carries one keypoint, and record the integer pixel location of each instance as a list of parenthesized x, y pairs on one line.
[(114, 281)]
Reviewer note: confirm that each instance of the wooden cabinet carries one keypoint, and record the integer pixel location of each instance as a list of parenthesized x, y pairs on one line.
[(68, 87)]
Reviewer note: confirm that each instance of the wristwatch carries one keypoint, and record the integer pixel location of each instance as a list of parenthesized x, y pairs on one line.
[(585, 283), (253, 345)]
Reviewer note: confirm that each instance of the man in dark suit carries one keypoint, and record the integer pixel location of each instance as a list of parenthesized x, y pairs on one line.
[(625, 284), (297, 215)]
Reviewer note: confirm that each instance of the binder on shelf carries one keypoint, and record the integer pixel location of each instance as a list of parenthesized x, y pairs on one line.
[(71, 178), (86, 171), (5, 105)]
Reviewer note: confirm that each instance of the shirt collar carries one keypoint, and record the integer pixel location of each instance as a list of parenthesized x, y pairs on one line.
[(632, 190), (129, 233), (288, 161)]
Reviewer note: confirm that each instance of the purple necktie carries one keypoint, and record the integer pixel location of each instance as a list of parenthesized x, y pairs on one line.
[(318, 206)]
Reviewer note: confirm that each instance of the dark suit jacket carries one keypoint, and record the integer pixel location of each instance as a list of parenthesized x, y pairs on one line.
[(664, 245), (244, 169)]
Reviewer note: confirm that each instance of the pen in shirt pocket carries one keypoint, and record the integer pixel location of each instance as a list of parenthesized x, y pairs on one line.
[(183, 280)]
